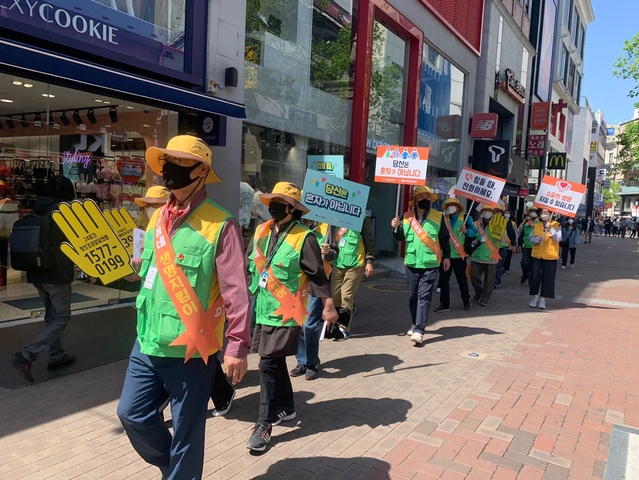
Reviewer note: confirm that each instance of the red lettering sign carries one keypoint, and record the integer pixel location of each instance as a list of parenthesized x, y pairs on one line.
[(484, 125), (540, 116)]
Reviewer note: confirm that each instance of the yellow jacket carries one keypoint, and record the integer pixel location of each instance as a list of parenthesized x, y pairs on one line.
[(548, 249)]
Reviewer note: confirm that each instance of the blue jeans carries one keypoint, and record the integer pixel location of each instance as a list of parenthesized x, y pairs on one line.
[(308, 350), (149, 382), (421, 282), (57, 312)]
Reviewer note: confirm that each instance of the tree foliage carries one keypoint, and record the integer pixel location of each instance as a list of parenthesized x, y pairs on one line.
[(627, 65), (627, 162), (612, 194)]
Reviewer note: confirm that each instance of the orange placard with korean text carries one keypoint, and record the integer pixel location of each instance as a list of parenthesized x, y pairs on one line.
[(401, 165), (559, 196)]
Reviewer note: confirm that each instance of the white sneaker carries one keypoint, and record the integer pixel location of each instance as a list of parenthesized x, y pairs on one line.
[(534, 302), (417, 338), (438, 290), (563, 267), (542, 304), (410, 331)]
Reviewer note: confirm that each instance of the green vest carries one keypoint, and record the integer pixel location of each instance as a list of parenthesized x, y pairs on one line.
[(419, 255), (286, 268), (482, 254), (461, 218), (195, 245), (526, 230), (351, 252)]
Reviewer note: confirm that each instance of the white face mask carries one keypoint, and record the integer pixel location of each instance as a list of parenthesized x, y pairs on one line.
[(451, 210), (506, 215), (545, 217), (150, 211), (533, 215), (487, 215), (571, 221)]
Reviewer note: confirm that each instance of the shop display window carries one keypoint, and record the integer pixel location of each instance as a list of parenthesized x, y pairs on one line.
[(97, 142)]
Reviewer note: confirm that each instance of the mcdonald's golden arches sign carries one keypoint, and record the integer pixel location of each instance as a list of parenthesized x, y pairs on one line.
[(556, 161)]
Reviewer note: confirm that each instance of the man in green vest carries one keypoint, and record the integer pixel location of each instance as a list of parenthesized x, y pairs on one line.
[(354, 260), (427, 247), (484, 260), (190, 286), (286, 266), (525, 229)]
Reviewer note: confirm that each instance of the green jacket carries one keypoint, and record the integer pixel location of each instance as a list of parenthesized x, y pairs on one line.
[(483, 253), (195, 245), (525, 231), (286, 268), (419, 255)]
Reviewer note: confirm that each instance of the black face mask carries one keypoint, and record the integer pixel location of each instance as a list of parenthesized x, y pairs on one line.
[(177, 177), (424, 204), (278, 211)]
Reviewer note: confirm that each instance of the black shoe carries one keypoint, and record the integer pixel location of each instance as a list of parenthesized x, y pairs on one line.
[(311, 372), (442, 308), (225, 409), (23, 366), (260, 437), (467, 306), (63, 362), (298, 371), (523, 280), (483, 303), (497, 285), (283, 416), (476, 298)]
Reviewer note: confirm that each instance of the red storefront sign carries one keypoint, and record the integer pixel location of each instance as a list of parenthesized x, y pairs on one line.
[(540, 116), (536, 145), (524, 192), (484, 125)]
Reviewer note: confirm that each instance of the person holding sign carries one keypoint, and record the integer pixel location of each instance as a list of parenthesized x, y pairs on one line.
[(484, 260), (427, 247), (545, 238), (504, 230), (53, 284), (191, 284), (156, 197), (286, 266), (458, 230)]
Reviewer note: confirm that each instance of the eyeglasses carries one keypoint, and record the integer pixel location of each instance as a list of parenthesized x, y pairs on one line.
[(167, 158)]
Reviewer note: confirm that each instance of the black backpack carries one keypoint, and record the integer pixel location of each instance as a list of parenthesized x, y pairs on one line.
[(30, 244)]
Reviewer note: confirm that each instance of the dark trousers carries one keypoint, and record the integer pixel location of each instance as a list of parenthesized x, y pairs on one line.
[(457, 265), (276, 390), (525, 263), (564, 255), (607, 229), (421, 283), (499, 271), (622, 232), (148, 383), (482, 276), (543, 276), (509, 257), (221, 390)]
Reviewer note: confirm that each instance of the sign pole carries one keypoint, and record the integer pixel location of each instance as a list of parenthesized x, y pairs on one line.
[(399, 194)]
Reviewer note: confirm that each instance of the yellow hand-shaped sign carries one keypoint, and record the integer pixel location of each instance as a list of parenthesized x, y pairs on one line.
[(93, 245), (498, 226), (122, 224)]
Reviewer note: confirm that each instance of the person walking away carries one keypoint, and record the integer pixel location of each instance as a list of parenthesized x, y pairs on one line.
[(307, 355), (569, 241), (607, 226), (525, 229), (545, 253), (458, 229), (427, 247), (514, 247), (484, 260), (53, 285), (599, 230), (615, 227), (623, 226), (285, 264), (191, 284), (354, 260), (590, 229), (631, 227), (155, 197)]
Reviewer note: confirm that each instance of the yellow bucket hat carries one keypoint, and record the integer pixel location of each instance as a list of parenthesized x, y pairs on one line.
[(501, 206), (287, 191), (486, 207), (452, 201), (422, 190), (156, 194), (183, 146)]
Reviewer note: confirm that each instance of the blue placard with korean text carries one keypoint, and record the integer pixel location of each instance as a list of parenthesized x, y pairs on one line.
[(335, 201), (329, 164)]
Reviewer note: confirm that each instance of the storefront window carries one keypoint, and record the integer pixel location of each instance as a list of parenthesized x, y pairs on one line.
[(98, 142), (440, 118)]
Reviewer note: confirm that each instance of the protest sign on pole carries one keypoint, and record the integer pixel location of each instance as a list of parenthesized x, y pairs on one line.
[(328, 164), (401, 165), (479, 187), (559, 196), (335, 201)]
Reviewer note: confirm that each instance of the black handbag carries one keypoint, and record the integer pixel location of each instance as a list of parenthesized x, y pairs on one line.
[(471, 244)]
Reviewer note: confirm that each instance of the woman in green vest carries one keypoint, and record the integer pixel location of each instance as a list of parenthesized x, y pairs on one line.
[(525, 229), (483, 265), (285, 266)]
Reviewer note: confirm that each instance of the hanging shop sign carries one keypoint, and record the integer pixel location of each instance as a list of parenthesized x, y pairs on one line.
[(513, 87), (448, 126), (484, 125), (557, 161), (479, 187), (401, 165), (92, 244), (540, 116), (536, 145), (335, 201), (492, 157), (329, 164), (559, 196)]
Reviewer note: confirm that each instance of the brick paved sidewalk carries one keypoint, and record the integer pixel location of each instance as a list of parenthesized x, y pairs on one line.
[(538, 401)]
